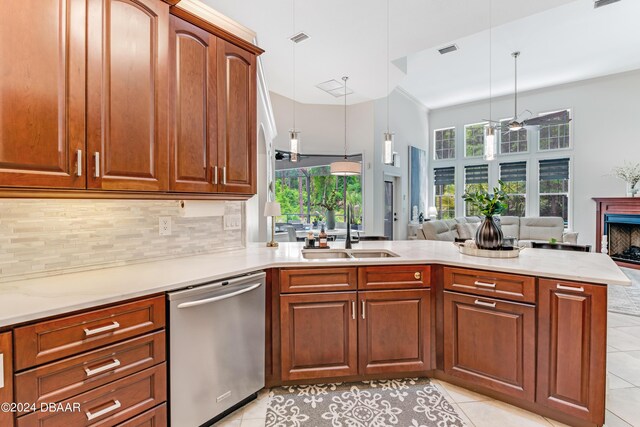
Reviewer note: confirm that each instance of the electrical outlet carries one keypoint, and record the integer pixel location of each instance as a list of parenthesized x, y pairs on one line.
[(164, 225), (232, 222)]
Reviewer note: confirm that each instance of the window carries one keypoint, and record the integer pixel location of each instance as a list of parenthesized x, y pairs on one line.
[(554, 136), (474, 140), (445, 191), (512, 141), (445, 144), (554, 188), (514, 178), (476, 178)]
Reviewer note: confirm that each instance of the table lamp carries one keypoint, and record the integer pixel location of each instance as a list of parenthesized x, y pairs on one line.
[(272, 209), (433, 212)]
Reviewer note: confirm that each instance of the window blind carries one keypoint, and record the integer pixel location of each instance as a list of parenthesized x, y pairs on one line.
[(444, 176), (513, 172), (476, 174), (554, 169)]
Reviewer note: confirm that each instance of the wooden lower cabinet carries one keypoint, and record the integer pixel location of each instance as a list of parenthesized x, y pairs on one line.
[(490, 343), (156, 417), (318, 335), (394, 331), (572, 330), (6, 377)]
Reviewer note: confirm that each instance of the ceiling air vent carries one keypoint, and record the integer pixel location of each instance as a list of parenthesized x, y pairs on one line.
[(448, 49), (334, 88), (300, 37), (600, 3)]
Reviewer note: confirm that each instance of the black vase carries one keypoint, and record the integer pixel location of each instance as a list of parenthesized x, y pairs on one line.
[(489, 234)]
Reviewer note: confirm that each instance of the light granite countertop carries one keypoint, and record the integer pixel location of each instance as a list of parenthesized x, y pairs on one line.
[(27, 300)]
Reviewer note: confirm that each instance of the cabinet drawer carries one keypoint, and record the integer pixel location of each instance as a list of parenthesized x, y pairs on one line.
[(54, 339), (66, 378), (107, 405), (156, 417), (487, 283), (394, 277), (318, 280)]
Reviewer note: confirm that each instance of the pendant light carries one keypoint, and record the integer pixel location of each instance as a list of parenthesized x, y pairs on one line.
[(387, 156), (294, 135), (345, 167), (490, 146)]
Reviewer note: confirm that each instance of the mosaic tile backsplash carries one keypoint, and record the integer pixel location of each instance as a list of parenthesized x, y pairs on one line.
[(44, 237)]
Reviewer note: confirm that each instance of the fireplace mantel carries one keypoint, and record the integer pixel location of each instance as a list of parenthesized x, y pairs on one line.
[(614, 205)]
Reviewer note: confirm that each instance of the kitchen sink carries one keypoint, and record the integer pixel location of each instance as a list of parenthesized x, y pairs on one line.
[(346, 253), (325, 253)]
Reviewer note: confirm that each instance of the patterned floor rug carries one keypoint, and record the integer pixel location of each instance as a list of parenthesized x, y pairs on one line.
[(626, 299), (410, 402)]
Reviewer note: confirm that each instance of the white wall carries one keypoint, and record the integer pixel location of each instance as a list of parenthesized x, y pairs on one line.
[(322, 128), (604, 112)]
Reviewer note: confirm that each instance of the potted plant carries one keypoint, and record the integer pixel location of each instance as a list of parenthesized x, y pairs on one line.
[(330, 204), (489, 234), (629, 173)]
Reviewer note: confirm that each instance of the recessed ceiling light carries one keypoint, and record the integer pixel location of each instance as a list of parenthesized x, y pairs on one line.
[(600, 3), (448, 49), (299, 37)]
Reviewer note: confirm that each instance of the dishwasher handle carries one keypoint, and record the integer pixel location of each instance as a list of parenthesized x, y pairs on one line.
[(218, 298)]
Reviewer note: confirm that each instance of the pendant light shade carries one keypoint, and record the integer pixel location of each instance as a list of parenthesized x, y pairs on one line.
[(387, 157), (345, 167), (490, 144), (294, 148)]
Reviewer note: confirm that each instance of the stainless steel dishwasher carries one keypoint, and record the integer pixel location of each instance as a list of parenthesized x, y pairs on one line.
[(216, 347)]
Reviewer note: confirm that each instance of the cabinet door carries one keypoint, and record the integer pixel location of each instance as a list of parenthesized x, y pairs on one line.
[(42, 93), (236, 119), (192, 131), (572, 330), (6, 377), (127, 94), (491, 343), (319, 335), (394, 332)]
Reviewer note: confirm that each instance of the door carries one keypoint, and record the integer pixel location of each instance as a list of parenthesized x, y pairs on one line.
[(491, 343), (389, 212), (127, 95), (236, 119), (192, 134), (318, 335), (42, 93), (6, 377), (571, 361), (394, 332)]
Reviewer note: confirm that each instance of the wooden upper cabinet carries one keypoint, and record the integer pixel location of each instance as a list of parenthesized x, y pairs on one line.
[(6, 377), (236, 119), (42, 93), (127, 86), (572, 330), (192, 130)]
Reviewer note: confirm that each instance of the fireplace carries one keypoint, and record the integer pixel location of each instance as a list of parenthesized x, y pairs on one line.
[(623, 236), (618, 229)]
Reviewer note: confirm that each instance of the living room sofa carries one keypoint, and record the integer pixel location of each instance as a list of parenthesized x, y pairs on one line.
[(525, 229)]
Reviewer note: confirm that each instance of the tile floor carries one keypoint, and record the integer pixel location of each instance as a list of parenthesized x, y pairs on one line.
[(623, 399)]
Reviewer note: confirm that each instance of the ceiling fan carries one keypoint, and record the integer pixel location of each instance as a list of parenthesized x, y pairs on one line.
[(559, 117)]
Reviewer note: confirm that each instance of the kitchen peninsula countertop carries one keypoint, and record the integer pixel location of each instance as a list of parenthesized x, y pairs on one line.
[(27, 300)]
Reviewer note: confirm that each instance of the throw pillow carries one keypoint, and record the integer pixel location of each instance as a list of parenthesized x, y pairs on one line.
[(467, 230)]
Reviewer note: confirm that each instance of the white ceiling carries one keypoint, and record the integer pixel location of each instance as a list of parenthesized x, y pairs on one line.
[(560, 40)]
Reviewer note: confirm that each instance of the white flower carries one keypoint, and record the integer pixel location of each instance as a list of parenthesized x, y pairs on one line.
[(629, 173)]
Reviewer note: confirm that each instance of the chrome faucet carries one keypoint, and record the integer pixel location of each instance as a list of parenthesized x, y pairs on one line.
[(348, 213)]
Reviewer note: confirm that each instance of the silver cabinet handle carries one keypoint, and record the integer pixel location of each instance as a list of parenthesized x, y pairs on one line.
[(363, 309), (215, 175), (93, 416), (96, 164), (353, 310), (218, 298), (224, 175), (484, 284), (79, 163), (570, 288), (111, 327), (91, 372), (485, 304), (1, 370)]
